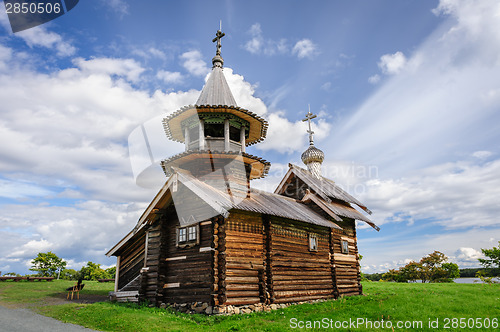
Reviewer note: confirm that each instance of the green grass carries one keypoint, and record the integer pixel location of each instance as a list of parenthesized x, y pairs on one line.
[(23, 293), (387, 301)]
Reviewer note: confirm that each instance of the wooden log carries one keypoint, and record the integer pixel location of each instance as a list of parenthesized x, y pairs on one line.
[(242, 280), (245, 293), (302, 298), (303, 287), (301, 293), (242, 287), (242, 300)]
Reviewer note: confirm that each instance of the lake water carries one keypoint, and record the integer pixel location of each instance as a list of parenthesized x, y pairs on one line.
[(471, 280), (466, 280)]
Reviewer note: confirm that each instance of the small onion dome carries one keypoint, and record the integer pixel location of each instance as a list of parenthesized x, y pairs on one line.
[(312, 154)]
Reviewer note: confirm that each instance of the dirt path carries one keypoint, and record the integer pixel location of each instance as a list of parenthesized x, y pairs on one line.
[(15, 320)]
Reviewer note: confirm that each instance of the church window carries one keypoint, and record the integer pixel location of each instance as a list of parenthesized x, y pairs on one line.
[(214, 130), (182, 235), (234, 134), (192, 233), (345, 247), (187, 235), (313, 242)]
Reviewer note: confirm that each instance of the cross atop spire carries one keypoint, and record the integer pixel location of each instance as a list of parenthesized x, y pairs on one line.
[(217, 39), (309, 117)]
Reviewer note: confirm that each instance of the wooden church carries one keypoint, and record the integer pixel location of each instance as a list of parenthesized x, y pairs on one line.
[(207, 236)]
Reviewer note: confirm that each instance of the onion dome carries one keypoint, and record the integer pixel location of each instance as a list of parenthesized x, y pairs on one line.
[(312, 154)]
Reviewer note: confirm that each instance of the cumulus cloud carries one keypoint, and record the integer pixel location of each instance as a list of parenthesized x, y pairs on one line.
[(169, 77), (41, 37), (304, 48), (392, 64), (285, 136), (454, 195), (67, 119), (194, 64), (128, 68)]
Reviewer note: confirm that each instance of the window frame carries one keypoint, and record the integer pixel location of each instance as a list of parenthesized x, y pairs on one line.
[(344, 246), (313, 238), (185, 233)]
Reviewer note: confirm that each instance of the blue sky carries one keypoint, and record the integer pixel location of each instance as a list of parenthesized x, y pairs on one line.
[(407, 94)]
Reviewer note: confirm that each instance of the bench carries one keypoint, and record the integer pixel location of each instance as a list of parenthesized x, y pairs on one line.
[(40, 278), (106, 280), (4, 278), (12, 278)]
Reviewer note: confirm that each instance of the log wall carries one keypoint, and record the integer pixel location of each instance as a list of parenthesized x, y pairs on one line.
[(244, 243), (131, 261), (299, 274), (346, 268), (186, 273), (149, 276)]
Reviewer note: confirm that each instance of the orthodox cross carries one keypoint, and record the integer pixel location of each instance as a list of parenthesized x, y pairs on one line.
[(309, 117), (217, 39)]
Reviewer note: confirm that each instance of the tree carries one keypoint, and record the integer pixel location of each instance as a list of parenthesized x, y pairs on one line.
[(92, 271), (70, 274), (394, 275), (493, 257), (47, 264), (411, 271), (452, 270), (111, 272), (431, 267)]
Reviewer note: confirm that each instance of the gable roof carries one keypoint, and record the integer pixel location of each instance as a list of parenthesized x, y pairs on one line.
[(257, 201), (325, 188), (326, 194)]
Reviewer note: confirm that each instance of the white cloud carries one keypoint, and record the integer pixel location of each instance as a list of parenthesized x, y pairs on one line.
[(151, 52), (194, 64), (243, 93), (169, 77), (41, 37), (260, 45), (255, 44), (469, 255), (482, 154), (21, 189), (461, 248), (305, 48), (455, 195), (285, 136), (128, 68), (392, 64), (435, 109), (326, 86), (157, 53), (119, 6), (374, 79)]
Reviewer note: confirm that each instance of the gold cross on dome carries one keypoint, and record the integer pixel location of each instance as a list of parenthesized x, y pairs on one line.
[(309, 117)]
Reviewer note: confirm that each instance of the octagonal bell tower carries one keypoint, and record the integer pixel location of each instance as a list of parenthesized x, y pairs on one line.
[(216, 132)]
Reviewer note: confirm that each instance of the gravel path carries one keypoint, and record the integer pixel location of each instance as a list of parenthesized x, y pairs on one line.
[(25, 320)]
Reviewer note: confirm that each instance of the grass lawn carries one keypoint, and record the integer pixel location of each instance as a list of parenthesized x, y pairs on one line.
[(383, 301)]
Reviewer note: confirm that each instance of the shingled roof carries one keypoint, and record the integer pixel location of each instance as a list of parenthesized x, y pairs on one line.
[(324, 193), (216, 91)]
